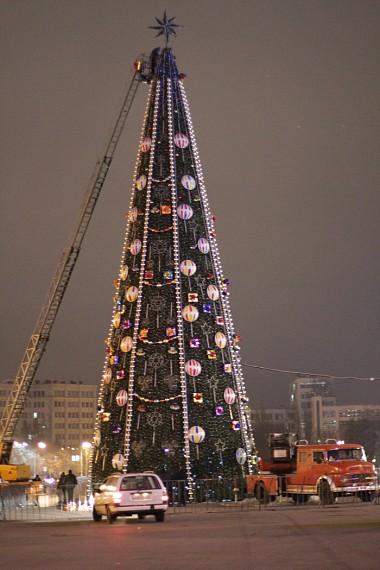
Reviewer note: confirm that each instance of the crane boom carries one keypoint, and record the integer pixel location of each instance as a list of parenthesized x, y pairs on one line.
[(40, 336)]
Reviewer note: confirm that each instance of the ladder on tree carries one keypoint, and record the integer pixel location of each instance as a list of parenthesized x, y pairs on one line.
[(41, 334)]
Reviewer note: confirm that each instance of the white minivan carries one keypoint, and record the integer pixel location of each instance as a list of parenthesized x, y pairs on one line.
[(126, 494)]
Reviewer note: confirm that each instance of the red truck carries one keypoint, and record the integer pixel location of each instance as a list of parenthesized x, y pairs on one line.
[(298, 470)]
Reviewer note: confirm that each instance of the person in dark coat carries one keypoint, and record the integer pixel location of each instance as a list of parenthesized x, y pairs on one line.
[(70, 482), (62, 488)]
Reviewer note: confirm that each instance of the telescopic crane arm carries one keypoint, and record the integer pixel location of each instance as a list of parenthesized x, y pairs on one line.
[(41, 334)]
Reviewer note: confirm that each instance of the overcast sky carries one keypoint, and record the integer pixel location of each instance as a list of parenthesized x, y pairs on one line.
[(284, 96)]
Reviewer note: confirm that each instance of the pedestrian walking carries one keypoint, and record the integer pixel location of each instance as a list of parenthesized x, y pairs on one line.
[(61, 488), (70, 483)]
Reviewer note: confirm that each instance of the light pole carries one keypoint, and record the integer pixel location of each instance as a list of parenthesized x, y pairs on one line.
[(40, 445), (85, 447)]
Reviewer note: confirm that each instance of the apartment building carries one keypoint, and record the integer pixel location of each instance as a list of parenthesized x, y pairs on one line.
[(280, 419), (313, 412), (61, 413), (308, 396)]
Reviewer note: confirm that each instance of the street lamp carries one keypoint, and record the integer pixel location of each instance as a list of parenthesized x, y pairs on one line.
[(40, 445), (85, 447)]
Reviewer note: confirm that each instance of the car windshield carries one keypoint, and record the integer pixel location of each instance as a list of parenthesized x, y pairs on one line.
[(356, 453), (138, 482)]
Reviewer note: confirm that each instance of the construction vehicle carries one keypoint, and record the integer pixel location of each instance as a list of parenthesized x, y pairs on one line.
[(9, 472), (299, 470), (15, 403)]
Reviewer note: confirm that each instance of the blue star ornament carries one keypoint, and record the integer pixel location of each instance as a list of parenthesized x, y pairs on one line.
[(166, 27)]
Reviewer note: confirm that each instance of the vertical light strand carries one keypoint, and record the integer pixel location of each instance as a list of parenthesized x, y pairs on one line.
[(176, 250), (125, 245), (210, 229), (144, 251)]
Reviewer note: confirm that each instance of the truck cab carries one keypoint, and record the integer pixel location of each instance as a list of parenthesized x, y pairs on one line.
[(332, 470), (299, 470)]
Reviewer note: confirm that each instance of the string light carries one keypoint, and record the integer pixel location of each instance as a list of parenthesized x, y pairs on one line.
[(311, 374)]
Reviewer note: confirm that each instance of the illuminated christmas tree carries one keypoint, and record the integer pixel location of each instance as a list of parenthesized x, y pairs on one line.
[(172, 395)]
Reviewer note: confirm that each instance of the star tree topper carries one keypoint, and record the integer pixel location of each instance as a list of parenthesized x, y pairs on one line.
[(166, 27)]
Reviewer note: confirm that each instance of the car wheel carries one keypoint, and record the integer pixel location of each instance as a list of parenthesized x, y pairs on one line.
[(160, 516), (141, 517), (110, 517), (95, 515)]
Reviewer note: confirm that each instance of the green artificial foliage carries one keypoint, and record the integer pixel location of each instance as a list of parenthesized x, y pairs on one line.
[(172, 351)]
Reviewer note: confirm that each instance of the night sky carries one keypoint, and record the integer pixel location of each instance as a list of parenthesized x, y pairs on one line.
[(284, 97)]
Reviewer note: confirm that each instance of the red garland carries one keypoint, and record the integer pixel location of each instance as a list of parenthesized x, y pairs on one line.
[(166, 340), (163, 400), (160, 231), (158, 284)]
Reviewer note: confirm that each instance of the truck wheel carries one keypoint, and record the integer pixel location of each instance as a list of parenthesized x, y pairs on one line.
[(326, 497), (366, 496), (261, 493)]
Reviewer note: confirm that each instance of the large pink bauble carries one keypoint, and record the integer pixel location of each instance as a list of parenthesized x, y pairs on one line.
[(190, 313), (135, 247), (203, 245), (132, 215), (126, 344), (122, 398), (184, 211), (181, 140), (145, 144), (108, 375), (193, 368), (229, 396)]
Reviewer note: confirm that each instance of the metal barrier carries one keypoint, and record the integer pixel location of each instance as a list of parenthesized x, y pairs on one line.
[(328, 492), (218, 494), (37, 501)]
